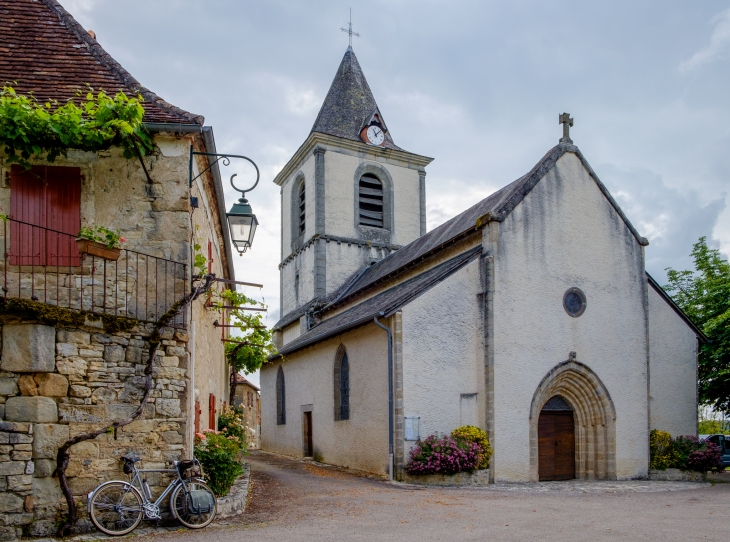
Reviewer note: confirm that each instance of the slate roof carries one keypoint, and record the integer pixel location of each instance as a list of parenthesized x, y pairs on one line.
[(348, 103), (386, 302), (44, 50), (497, 206)]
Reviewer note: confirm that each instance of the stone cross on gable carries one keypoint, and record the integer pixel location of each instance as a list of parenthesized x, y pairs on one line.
[(567, 122)]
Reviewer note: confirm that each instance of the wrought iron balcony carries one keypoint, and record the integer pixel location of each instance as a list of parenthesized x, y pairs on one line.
[(45, 265)]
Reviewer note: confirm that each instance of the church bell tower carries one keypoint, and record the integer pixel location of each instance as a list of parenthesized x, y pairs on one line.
[(349, 198)]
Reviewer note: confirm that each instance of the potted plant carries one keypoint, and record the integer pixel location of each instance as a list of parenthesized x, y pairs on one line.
[(100, 241)]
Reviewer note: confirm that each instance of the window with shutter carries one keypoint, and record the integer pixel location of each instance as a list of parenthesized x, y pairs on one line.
[(302, 208), (371, 201), (47, 201), (211, 413)]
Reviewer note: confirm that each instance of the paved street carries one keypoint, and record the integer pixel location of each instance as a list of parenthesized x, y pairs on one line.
[(293, 500)]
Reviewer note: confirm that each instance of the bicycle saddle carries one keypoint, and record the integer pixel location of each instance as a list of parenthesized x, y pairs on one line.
[(131, 458)]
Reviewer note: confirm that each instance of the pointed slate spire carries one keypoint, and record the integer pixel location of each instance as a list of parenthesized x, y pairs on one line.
[(349, 103)]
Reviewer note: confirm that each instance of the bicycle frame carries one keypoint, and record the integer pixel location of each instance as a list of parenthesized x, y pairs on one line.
[(151, 509)]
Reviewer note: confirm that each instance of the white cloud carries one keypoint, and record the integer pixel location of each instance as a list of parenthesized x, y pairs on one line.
[(718, 46)]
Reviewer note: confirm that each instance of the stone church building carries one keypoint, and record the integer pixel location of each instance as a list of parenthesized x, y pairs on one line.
[(530, 314)]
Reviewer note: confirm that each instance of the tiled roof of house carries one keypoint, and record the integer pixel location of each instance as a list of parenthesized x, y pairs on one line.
[(44, 50), (240, 379), (349, 103)]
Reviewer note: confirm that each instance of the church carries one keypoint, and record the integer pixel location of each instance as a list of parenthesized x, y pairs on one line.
[(529, 315)]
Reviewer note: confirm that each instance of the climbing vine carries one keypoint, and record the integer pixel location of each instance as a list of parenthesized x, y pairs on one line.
[(251, 347), (94, 122), (64, 454)]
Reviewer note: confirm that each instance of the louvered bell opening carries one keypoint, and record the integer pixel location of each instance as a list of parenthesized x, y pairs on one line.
[(302, 209), (371, 201)]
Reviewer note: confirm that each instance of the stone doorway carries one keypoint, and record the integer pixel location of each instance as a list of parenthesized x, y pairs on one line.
[(556, 441), (594, 420)]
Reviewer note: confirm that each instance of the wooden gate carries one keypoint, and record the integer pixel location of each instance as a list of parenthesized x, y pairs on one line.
[(556, 445)]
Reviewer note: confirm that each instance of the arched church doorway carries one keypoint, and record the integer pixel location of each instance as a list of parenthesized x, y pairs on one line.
[(556, 441), (593, 420)]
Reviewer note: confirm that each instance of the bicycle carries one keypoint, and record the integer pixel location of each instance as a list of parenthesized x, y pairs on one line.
[(117, 507)]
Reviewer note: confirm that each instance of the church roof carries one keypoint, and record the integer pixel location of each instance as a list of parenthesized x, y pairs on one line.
[(385, 302), (495, 207), (349, 103), (44, 50)]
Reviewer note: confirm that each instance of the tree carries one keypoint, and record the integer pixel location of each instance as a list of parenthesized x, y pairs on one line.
[(704, 295), (248, 351)]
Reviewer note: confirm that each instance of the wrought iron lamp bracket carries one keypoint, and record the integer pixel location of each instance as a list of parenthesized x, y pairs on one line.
[(225, 159)]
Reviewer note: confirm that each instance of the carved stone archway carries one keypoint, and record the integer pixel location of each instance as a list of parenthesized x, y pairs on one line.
[(595, 419)]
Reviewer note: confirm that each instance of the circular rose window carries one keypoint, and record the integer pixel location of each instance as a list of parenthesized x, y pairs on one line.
[(574, 302)]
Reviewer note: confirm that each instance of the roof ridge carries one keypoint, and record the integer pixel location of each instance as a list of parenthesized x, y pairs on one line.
[(100, 54)]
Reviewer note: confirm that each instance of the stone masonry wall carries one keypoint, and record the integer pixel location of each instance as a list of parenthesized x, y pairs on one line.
[(58, 382)]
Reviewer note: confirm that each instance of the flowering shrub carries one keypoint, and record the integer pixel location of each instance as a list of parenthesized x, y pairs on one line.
[(470, 433), (695, 455), (218, 454), (232, 423), (445, 455), (684, 452)]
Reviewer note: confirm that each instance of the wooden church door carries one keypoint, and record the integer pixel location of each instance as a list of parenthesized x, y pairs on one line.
[(556, 441)]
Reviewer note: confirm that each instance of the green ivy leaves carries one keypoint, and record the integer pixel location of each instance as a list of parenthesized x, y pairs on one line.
[(97, 122)]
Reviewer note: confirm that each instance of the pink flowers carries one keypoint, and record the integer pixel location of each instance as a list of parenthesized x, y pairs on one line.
[(444, 455), (122, 240)]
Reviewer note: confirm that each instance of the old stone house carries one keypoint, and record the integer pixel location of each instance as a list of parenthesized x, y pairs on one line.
[(529, 315), (248, 399), (75, 328)]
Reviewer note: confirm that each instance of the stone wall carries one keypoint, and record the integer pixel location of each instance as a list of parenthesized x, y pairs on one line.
[(57, 382)]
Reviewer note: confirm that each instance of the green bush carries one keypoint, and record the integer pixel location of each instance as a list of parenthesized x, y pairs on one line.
[(685, 453), (469, 433), (662, 454), (219, 456)]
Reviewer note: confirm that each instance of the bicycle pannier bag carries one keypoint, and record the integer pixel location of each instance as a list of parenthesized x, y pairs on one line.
[(200, 502)]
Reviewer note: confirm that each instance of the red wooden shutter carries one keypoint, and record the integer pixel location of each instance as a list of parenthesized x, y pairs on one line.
[(47, 197), (211, 413), (197, 416)]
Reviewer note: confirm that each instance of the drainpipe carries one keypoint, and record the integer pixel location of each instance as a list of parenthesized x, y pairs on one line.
[(390, 394)]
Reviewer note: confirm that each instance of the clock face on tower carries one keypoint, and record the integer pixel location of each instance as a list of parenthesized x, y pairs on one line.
[(375, 135)]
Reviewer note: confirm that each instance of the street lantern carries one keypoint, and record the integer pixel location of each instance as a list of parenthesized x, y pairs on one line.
[(242, 222)]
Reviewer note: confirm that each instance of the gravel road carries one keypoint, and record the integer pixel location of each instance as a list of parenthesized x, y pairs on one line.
[(297, 500)]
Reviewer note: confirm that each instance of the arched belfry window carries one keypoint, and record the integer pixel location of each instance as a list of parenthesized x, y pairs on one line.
[(280, 397), (341, 383), (370, 201), (302, 207)]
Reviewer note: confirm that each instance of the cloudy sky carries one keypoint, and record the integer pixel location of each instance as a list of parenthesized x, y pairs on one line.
[(478, 85)]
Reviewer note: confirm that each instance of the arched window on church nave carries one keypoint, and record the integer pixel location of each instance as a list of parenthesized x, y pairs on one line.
[(341, 383), (280, 397), (301, 207), (370, 201)]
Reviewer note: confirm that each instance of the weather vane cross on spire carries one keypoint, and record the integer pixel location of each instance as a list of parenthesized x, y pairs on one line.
[(349, 30)]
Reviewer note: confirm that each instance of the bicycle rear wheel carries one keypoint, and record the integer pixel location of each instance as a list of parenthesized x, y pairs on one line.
[(181, 506), (116, 508)]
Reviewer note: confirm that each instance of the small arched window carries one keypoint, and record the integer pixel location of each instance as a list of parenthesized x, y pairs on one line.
[(370, 201), (280, 398), (302, 201), (342, 385)]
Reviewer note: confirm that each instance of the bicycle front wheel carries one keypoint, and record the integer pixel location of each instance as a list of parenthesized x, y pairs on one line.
[(183, 510), (116, 508)]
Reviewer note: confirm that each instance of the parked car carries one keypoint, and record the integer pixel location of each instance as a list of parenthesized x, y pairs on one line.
[(723, 441)]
